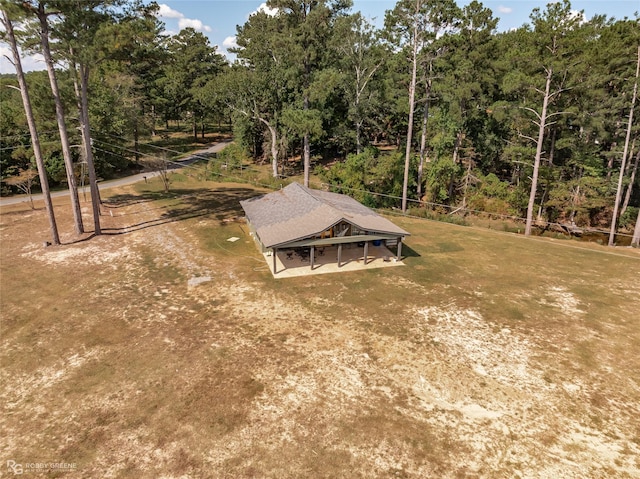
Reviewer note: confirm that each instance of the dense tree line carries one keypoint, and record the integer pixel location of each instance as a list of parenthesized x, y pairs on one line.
[(435, 109)]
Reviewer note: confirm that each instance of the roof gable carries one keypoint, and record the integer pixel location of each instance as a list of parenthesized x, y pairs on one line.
[(296, 212)]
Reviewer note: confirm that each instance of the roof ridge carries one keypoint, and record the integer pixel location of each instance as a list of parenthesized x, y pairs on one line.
[(302, 211), (308, 191), (324, 202)]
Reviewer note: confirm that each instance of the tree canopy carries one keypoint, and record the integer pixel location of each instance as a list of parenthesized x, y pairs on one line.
[(437, 107)]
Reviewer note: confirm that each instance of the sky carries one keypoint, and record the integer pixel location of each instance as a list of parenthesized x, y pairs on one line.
[(217, 19)]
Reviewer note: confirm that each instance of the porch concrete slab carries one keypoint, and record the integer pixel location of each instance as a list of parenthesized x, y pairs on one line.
[(289, 266)]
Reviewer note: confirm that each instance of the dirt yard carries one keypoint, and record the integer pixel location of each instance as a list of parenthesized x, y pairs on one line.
[(161, 349)]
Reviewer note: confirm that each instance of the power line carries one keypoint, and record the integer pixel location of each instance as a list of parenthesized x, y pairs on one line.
[(340, 187), (14, 147), (177, 163), (29, 134)]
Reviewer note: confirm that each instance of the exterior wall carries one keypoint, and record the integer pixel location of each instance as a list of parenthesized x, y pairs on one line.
[(252, 233)]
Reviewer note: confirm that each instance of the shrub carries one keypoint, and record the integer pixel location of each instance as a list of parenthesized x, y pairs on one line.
[(628, 219)]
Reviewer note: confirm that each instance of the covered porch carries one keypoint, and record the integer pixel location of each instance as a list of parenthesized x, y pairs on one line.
[(292, 262), (320, 231)]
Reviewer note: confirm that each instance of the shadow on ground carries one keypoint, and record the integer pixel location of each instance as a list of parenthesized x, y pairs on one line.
[(219, 204), (408, 251)]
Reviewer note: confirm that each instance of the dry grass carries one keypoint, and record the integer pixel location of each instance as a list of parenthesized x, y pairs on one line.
[(162, 350)]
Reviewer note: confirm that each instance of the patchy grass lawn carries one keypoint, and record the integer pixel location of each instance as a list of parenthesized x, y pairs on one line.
[(162, 350)]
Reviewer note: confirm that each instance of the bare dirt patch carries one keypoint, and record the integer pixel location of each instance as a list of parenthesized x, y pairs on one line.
[(161, 350)]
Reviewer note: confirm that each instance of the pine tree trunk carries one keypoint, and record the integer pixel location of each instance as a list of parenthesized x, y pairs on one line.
[(574, 200), (306, 148), (307, 159), (543, 198), (467, 180), (547, 186), (636, 232), (455, 158), (136, 142), (614, 218), (423, 137), (536, 165), (153, 120), (35, 140), (423, 149), (412, 97), (358, 122), (83, 101), (552, 151), (274, 146), (632, 180), (64, 139)]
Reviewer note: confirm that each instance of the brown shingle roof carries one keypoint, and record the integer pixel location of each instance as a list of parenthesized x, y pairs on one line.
[(297, 212)]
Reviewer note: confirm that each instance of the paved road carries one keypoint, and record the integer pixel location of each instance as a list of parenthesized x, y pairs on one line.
[(103, 185)]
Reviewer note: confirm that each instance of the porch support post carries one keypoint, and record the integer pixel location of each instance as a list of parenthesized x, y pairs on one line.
[(399, 255), (275, 255), (366, 251), (339, 254), (312, 255)]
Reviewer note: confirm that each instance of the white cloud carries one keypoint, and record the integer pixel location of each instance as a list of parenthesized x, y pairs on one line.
[(230, 42), (29, 63), (263, 8), (503, 9), (167, 12), (269, 11), (578, 15), (193, 23), (169, 33), (5, 65)]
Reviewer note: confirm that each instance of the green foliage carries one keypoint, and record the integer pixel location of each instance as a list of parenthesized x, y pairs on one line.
[(191, 64), (584, 197), (491, 186), (370, 172), (317, 72), (518, 199), (491, 195), (301, 122), (354, 175), (228, 164), (360, 59), (248, 133), (233, 156), (389, 177), (55, 168), (628, 219), (441, 174)]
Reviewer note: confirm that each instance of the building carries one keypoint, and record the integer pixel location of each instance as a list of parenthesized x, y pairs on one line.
[(306, 221)]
